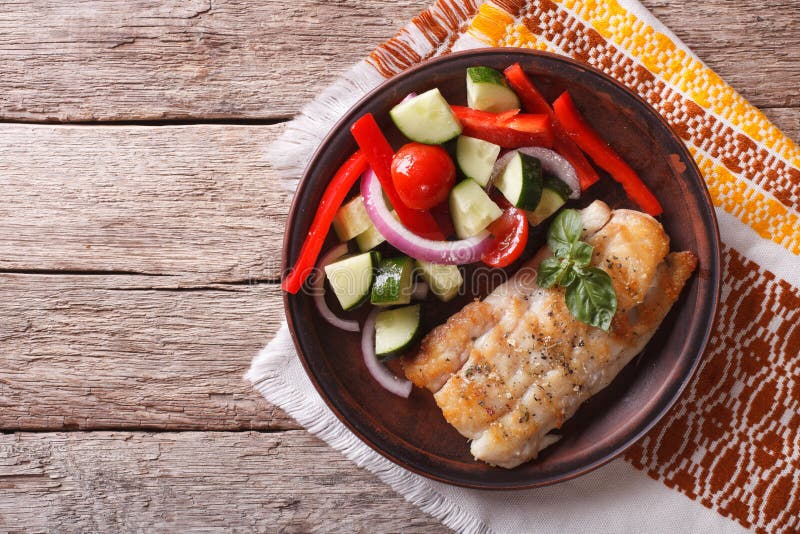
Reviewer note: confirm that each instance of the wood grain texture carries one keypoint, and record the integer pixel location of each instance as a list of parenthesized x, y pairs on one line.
[(143, 482), (200, 59), (149, 59), (197, 203), (88, 352)]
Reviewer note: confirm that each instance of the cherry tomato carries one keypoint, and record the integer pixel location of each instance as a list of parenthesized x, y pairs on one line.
[(510, 233), (423, 175)]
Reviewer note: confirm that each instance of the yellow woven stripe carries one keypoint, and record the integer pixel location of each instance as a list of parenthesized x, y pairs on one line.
[(661, 56), (521, 37), (769, 218), (490, 24)]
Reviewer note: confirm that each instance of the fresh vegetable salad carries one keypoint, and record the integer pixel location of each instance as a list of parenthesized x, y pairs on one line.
[(512, 161)]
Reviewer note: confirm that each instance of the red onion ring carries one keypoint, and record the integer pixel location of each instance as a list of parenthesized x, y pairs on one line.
[(552, 162), (445, 252), (382, 375), (319, 291)]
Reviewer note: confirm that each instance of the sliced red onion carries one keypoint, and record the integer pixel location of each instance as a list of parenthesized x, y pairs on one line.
[(552, 162), (500, 166), (419, 291), (446, 252), (319, 291), (556, 164), (384, 377), (408, 97)]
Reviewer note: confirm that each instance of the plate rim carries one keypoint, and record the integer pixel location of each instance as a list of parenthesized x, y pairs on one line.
[(715, 278)]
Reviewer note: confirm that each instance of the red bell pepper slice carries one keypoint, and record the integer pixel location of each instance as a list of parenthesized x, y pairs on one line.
[(379, 153), (531, 98), (332, 199), (534, 102), (509, 130), (510, 233), (505, 116), (603, 155)]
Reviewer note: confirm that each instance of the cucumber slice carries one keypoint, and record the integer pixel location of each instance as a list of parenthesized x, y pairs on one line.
[(556, 184), (393, 281), (426, 118), (476, 158), (395, 330), (549, 204), (351, 219), (471, 208), (487, 90), (369, 238), (521, 181), (351, 278), (444, 280)]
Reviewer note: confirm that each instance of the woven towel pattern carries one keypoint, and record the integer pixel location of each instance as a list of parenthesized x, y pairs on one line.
[(683, 90), (733, 440)]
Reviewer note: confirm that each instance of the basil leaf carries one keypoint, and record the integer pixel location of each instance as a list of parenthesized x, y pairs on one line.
[(591, 298), (589, 292), (581, 270), (582, 253), (564, 231), (550, 270), (568, 278)]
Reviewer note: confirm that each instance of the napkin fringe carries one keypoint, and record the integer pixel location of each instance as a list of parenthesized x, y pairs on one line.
[(266, 377), (291, 152)]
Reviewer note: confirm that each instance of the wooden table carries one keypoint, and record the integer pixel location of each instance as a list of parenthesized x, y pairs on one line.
[(140, 230)]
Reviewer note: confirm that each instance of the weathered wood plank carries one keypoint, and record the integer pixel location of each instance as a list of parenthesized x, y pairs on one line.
[(144, 59), (199, 203), (139, 482), (89, 352), (147, 59)]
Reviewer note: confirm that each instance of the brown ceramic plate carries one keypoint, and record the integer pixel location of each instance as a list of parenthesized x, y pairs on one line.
[(412, 432)]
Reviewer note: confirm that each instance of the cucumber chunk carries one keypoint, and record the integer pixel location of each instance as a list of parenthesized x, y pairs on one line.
[(471, 208), (521, 181), (426, 118), (476, 158), (351, 219), (443, 280), (549, 204), (351, 278), (393, 281), (557, 185), (369, 238), (396, 330), (487, 90)]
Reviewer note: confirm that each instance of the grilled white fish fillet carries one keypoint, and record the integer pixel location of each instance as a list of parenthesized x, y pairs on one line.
[(509, 369)]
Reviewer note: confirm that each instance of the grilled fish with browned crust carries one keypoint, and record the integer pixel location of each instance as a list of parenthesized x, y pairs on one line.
[(509, 369)]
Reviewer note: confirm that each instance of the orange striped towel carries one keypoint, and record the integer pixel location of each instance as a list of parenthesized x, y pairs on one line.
[(727, 456)]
